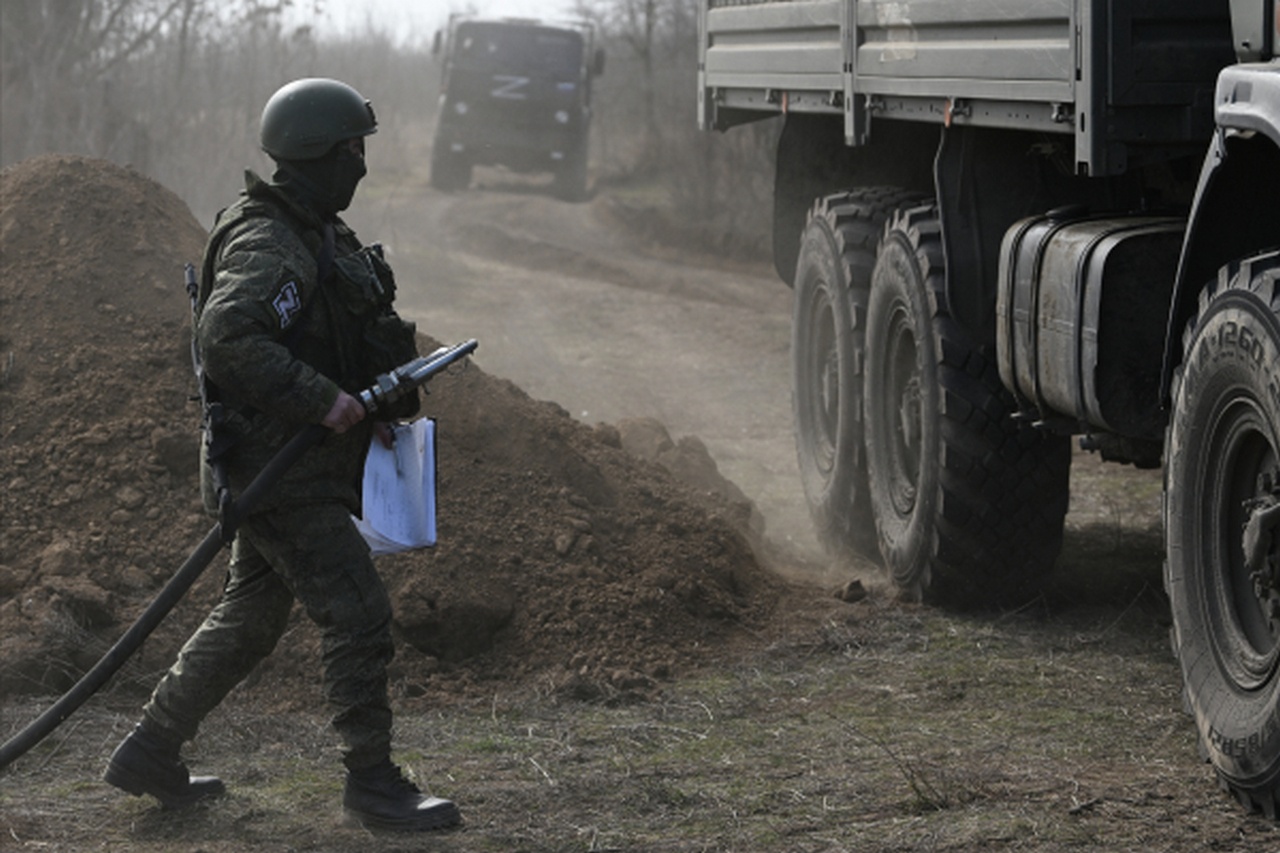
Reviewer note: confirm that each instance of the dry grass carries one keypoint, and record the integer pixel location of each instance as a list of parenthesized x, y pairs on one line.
[(875, 726)]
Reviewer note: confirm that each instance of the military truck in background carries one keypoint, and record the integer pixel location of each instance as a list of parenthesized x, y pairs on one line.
[(1010, 224), (515, 93)]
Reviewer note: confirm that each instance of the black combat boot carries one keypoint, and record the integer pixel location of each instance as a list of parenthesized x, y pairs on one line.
[(381, 798), (148, 763)]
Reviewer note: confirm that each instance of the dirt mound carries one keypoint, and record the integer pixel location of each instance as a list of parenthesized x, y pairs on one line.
[(564, 559)]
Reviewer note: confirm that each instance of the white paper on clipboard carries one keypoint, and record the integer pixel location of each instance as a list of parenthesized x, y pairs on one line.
[(399, 502)]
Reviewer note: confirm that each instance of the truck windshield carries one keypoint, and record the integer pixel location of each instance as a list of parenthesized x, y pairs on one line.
[(504, 48)]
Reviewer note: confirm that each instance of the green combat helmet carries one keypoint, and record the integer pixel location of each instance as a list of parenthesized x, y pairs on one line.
[(306, 118)]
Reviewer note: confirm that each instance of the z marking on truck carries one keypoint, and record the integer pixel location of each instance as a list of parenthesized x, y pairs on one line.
[(509, 87)]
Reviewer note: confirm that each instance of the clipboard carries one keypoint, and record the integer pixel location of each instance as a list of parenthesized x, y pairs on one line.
[(399, 491)]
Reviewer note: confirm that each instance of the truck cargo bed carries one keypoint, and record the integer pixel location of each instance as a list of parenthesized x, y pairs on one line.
[(1117, 75)]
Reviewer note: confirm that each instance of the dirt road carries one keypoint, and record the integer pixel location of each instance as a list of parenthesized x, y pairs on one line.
[(573, 310)]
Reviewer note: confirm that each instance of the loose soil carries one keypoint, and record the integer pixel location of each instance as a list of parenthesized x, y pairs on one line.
[(625, 639), (562, 555)]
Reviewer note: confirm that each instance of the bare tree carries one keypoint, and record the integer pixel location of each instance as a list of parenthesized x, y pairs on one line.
[(58, 53), (171, 87), (646, 124), (656, 38)]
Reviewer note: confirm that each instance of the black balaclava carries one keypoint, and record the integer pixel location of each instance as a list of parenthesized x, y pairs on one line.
[(326, 184)]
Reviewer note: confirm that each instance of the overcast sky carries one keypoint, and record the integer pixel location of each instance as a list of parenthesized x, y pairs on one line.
[(414, 21)]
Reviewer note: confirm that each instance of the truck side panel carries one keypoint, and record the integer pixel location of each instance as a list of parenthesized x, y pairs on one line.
[(1120, 77), (752, 52), (996, 50), (755, 53)]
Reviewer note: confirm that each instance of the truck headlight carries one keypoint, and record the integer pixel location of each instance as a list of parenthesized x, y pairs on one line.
[(562, 117)]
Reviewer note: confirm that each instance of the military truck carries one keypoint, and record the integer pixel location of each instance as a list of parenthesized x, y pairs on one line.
[(1009, 225), (515, 93)]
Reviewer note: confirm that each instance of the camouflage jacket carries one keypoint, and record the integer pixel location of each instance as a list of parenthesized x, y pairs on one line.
[(277, 344)]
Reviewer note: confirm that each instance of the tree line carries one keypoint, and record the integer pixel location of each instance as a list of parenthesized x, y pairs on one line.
[(175, 88)]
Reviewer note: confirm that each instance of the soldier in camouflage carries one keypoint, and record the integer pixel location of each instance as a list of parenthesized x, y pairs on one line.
[(294, 317)]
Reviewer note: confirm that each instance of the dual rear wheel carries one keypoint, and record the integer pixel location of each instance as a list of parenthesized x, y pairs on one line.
[(829, 326), (906, 439)]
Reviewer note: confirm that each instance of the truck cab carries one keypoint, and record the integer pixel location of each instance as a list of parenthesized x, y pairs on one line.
[(515, 93)]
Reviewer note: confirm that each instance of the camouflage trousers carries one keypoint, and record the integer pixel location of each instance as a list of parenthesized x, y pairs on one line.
[(312, 553)]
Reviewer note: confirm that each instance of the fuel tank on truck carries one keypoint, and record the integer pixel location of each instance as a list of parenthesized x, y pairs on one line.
[(1081, 311)]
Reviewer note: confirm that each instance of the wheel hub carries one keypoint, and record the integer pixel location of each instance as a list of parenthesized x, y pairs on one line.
[(1244, 581), (909, 423), (1261, 546), (825, 405), (829, 389), (907, 432)]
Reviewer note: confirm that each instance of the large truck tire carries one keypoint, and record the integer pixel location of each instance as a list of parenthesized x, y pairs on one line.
[(1222, 534), (833, 276), (969, 503)]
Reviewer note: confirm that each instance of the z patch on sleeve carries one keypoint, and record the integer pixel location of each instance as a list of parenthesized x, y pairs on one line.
[(287, 303)]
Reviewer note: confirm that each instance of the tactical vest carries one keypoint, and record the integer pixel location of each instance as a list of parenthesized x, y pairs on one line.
[(356, 334), (359, 284)]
